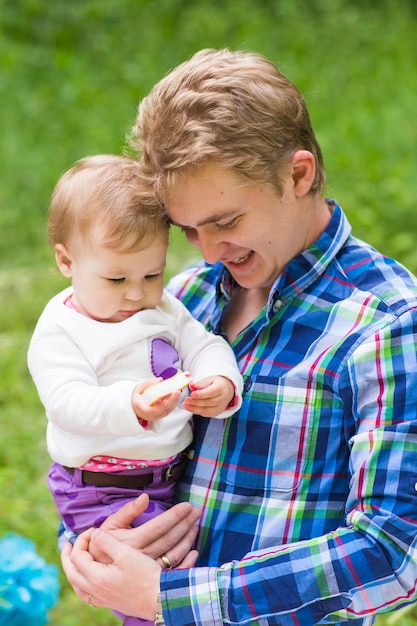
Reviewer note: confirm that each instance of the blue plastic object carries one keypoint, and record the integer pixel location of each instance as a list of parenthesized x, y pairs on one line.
[(29, 586)]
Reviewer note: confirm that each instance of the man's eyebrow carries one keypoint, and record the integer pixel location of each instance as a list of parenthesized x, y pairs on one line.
[(209, 220)]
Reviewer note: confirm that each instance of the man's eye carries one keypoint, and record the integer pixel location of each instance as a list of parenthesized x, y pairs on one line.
[(187, 229), (227, 225), (117, 281)]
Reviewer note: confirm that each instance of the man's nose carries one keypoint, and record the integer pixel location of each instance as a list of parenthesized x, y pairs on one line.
[(211, 248)]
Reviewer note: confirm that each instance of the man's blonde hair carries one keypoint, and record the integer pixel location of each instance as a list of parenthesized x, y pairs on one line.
[(109, 191), (232, 108)]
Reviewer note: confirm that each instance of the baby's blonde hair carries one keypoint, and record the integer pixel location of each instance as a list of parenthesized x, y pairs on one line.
[(235, 109), (109, 191)]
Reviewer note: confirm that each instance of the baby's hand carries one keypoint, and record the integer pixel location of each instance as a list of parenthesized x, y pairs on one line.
[(210, 396), (157, 410)]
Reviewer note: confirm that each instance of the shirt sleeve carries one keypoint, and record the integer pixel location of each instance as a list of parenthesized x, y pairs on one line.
[(365, 567), (69, 390)]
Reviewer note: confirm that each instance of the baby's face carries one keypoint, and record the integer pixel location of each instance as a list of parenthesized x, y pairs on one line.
[(111, 285)]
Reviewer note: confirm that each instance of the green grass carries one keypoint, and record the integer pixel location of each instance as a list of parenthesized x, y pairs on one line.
[(71, 76)]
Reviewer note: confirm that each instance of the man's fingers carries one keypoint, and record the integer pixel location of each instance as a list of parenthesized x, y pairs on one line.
[(108, 545), (189, 561), (176, 538), (76, 578), (124, 516), (178, 555), (162, 532)]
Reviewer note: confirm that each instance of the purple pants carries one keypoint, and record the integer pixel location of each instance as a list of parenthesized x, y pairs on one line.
[(83, 506)]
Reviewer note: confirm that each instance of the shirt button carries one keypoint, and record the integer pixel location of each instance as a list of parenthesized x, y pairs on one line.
[(248, 384)]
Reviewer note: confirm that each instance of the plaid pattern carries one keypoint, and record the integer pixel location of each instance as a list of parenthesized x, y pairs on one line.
[(309, 493)]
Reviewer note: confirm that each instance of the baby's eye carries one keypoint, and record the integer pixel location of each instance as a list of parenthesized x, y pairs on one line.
[(152, 276), (116, 281)]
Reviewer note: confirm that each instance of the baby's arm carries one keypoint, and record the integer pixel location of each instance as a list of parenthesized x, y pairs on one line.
[(211, 396)]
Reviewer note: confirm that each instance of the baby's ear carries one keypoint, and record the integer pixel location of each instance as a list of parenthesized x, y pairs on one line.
[(303, 171), (63, 260)]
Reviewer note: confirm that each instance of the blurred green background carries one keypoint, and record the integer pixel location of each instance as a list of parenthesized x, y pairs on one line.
[(71, 75)]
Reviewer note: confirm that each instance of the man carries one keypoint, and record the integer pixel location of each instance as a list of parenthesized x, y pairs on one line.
[(308, 495)]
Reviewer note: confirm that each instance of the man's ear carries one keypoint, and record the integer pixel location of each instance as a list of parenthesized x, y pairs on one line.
[(63, 260), (303, 171)]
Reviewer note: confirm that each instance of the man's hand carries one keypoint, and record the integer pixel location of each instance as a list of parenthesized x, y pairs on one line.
[(170, 534), (119, 567)]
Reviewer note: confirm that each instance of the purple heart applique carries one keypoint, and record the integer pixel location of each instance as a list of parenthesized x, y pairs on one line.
[(163, 358)]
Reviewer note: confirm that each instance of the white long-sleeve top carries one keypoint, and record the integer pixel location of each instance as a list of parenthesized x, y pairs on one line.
[(85, 372)]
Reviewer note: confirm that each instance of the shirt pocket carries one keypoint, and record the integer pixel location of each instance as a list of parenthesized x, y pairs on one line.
[(280, 432)]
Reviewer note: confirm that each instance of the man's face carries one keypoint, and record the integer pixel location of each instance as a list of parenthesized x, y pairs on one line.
[(247, 226)]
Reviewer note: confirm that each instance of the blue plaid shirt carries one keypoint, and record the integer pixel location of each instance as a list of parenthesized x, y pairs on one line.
[(309, 492)]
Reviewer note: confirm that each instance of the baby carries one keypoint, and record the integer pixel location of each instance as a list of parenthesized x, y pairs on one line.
[(101, 344)]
